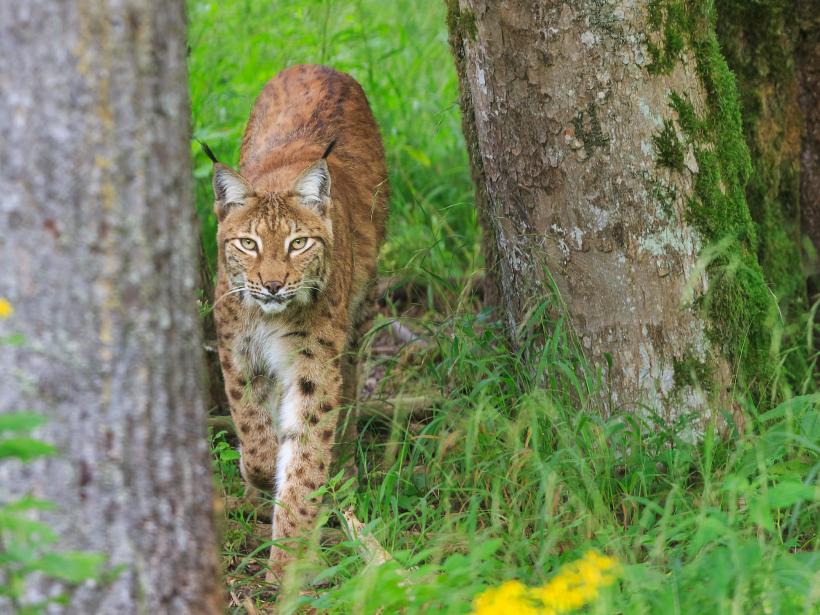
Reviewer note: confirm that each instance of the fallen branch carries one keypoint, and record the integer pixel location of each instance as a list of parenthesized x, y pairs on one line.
[(405, 334)]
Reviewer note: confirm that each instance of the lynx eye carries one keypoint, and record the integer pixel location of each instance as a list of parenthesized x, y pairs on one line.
[(298, 243), (247, 243)]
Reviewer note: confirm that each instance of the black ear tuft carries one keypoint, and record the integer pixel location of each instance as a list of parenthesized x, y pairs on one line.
[(208, 152), (329, 149)]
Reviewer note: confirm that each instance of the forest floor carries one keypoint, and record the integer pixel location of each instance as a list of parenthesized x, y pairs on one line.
[(478, 465)]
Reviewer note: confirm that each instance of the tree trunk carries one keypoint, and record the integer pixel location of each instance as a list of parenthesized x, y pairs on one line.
[(609, 141), (807, 55), (759, 42), (99, 262)]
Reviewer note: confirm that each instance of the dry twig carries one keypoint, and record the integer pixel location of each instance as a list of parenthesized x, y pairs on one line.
[(370, 548)]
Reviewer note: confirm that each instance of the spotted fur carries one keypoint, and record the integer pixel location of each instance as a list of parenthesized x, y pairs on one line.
[(287, 313)]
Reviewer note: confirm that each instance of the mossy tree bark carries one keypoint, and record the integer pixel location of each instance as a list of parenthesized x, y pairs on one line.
[(807, 55), (608, 146), (759, 41), (99, 262)]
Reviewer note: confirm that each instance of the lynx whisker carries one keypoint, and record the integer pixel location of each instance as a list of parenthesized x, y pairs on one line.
[(232, 291)]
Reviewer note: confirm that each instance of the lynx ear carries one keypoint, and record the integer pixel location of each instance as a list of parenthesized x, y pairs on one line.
[(230, 189), (313, 187)]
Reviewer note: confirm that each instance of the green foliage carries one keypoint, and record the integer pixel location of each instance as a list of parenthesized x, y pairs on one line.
[(25, 544), (399, 53)]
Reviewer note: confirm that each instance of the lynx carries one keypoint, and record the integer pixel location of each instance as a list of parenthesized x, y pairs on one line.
[(299, 230)]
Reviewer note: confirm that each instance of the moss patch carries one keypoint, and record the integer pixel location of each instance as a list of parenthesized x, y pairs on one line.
[(688, 120), (460, 22), (667, 20), (691, 371), (668, 148), (588, 129), (739, 305)]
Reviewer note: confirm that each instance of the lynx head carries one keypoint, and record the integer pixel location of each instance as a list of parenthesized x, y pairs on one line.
[(275, 246)]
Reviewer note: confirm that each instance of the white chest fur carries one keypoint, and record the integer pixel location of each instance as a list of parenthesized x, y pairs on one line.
[(263, 349)]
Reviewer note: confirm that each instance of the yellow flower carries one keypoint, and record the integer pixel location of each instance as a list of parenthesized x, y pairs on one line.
[(576, 584), (6, 309), (510, 598)]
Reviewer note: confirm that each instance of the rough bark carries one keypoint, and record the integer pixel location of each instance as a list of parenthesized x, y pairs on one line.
[(489, 249), (99, 261), (611, 154)]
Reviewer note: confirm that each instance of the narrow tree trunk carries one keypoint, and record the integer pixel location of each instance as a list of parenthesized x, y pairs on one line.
[(99, 260), (612, 154)]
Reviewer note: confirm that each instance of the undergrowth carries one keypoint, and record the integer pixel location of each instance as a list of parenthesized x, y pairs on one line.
[(515, 473)]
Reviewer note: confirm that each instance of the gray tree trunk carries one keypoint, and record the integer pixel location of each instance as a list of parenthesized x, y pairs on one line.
[(98, 254), (588, 175)]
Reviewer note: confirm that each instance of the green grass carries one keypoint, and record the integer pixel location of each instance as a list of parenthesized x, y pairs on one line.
[(515, 471)]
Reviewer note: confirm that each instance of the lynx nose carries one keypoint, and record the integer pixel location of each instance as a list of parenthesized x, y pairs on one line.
[(274, 286)]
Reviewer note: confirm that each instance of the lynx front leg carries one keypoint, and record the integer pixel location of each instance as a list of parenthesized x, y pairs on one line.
[(307, 426), (249, 399), (254, 426)]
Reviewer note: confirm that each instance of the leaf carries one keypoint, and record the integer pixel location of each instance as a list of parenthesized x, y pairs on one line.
[(27, 503), (418, 155), (228, 454), (25, 449), (71, 566), (16, 339), (710, 530), (23, 529), (800, 403), (21, 421), (789, 493), (760, 514)]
